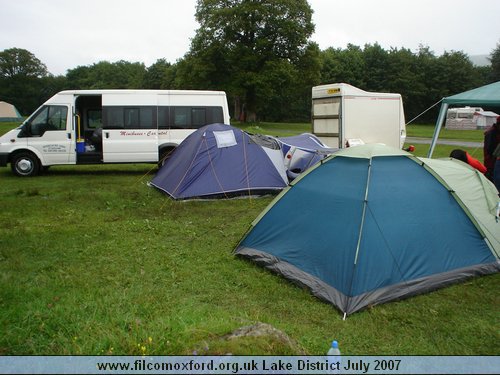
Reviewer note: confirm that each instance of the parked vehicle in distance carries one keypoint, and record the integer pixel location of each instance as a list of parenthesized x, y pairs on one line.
[(343, 116), (469, 118), (109, 126)]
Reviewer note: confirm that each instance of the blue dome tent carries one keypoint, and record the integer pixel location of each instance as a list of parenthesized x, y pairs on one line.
[(220, 161), (302, 152), (376, 224)]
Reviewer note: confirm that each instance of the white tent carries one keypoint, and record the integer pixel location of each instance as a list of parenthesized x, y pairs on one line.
[(485, 119), (9, 113)]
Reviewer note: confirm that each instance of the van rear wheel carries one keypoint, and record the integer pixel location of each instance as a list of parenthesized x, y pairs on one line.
[(25, 164), (164, 156)]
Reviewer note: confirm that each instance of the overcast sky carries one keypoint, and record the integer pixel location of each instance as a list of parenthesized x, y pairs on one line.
[(64, 34)]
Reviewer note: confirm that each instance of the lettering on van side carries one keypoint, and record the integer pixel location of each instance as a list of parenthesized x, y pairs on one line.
[(151, 133), (124, 133), (54, 148)]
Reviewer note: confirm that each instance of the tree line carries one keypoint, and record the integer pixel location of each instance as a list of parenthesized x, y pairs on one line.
[(261, 54)]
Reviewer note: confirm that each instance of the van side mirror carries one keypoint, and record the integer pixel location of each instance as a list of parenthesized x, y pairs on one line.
[(25, 130)]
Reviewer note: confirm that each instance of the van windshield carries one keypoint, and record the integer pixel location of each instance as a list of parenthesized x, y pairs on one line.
[(48, 118)]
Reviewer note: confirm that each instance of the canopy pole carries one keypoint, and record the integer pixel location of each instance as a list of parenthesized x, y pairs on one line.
[(439, 124)]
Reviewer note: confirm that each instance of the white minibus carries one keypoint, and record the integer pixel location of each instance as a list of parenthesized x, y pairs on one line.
[(109, 126)]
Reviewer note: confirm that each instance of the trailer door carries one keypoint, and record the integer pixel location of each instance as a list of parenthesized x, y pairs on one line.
[(373, 119), (326, 119), (130, 132)]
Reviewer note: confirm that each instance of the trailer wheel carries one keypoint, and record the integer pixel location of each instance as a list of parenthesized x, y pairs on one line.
[(25, 164)]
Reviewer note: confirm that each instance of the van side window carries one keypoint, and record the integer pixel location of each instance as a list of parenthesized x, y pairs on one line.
[(163, 117), (49, 118), (216, 115), (113, 118), (195, 117), (199, 117), (147, 118), (129, 117), (181, 117)]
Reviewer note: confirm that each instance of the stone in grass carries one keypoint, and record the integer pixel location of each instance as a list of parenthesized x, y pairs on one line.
[(256, 339)]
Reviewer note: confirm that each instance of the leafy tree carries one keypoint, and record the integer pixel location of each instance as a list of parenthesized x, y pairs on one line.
[(284, 89), (106, 75), (376, 63), (495, 64), (404, 77), (79, 78), (421, 78), (346, 66), (204, 68), (21, 75), (20, 63), (457, 72), (160, 75), (485, 74), (242, 44), (308, 74)]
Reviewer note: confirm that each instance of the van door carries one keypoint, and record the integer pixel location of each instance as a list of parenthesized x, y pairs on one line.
[(49, 132), (130, 133)]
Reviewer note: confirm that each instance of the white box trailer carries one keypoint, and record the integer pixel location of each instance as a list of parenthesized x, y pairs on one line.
[(343, 116)]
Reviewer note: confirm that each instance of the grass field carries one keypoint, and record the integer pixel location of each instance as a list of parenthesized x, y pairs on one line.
[(93, 261), (426, 131)]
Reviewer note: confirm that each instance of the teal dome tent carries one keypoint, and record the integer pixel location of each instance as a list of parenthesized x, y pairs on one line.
[(372, 224)]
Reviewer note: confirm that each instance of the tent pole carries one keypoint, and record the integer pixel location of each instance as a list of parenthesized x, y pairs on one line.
[(439, 124)]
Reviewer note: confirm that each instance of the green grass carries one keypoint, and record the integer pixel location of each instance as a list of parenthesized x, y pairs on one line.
[(6, 126), (427, 131), (442, 150), (93, 261)]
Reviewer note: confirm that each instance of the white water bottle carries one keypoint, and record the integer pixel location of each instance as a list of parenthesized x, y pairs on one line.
[(334, 349)]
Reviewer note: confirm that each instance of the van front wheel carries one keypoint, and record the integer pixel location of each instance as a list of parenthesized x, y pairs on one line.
[(25, 164)]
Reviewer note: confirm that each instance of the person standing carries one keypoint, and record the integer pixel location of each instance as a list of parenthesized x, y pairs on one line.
[(496, 171), (491, 141)]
